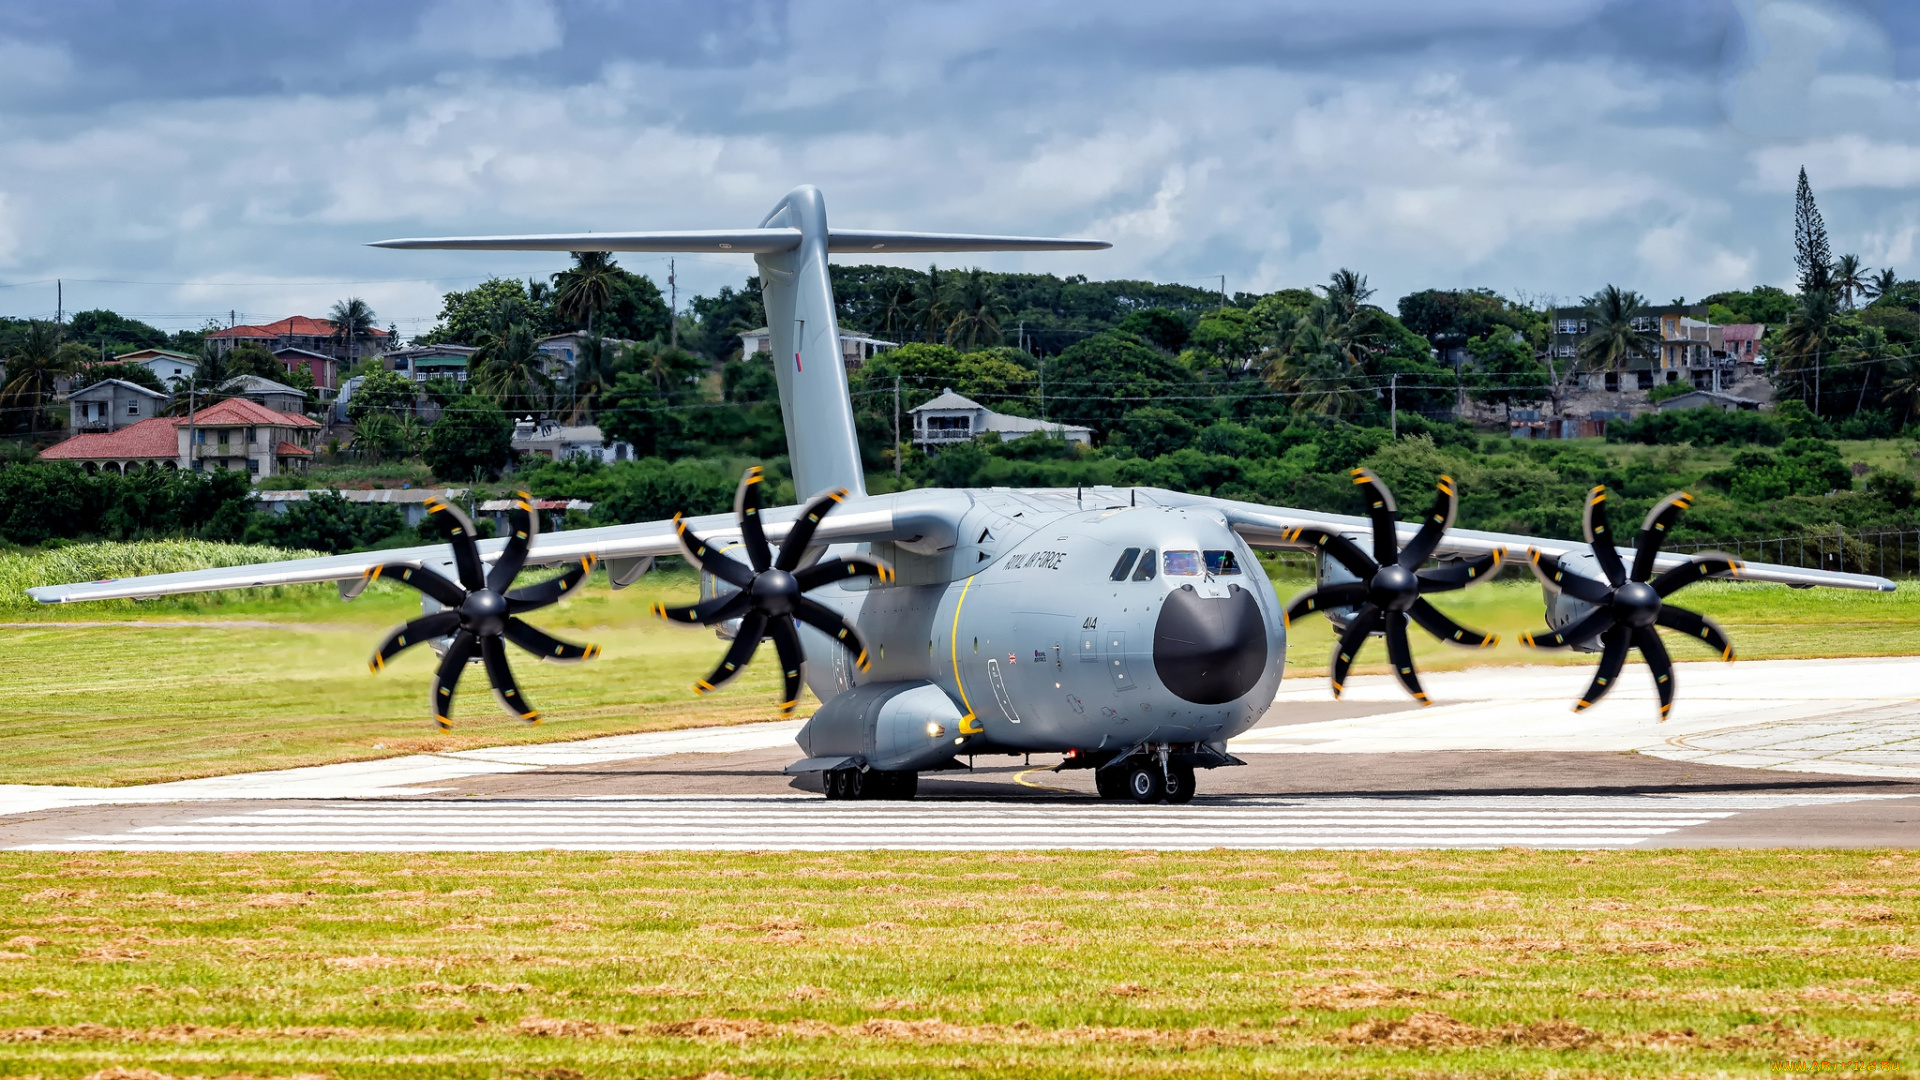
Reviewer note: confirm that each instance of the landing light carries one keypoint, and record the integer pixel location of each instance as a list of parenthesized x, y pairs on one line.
[(935, 730)]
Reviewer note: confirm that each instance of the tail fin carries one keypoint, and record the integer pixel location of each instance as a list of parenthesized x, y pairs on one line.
[(791, 245)]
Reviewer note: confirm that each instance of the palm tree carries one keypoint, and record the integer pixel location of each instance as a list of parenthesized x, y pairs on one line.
[(1348, 290), (1901, 389), (1313, 364), (510, 369), (896, 311), (1613, 340), (1801, 353), (352, 322), (975, 308), (1882, 283), (1850, 276), (929, 305), (593, 376), (586, 290), (32, 368)]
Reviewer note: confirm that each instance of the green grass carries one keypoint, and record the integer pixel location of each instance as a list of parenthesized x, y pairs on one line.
[(1219, 964)]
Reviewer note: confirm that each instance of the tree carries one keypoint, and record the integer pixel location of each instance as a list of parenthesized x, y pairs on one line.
[(1226, 336), (466, 316), (1612, 339), (1104, 377), (1799, 357), (1505, 372), (32, 367), (1882, 284), (1348, 290), (1160, 326), (994, 377), (252, 358), (1811, 252), (1901, 387), (1315, 368), (93, 371), (385, 393), (975, 309), (593, 373), (353, 324), (1850, 276), (510, 369), (929, 305), (327, 522), (588, 288), (471, 440), (106, 329)]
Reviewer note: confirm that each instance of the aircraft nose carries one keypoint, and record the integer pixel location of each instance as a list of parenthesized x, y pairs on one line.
[(1209, 650)]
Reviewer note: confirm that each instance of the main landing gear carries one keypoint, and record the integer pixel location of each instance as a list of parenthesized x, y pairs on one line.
[(871, 784), (1146, 780)]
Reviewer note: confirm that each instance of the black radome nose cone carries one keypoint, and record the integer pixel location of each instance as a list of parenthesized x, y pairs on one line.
[(484, 612), (1209, 650)]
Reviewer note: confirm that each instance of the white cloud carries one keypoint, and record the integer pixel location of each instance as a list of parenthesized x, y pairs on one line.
[(490, 29), (1847, 161), (9, 231), (32, 68), (1802, 67)]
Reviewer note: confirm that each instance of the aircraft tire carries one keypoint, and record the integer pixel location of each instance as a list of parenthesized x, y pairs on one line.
[(1184, 785), (1144, 782), (1110, 783), (856, 785), (901, 785)]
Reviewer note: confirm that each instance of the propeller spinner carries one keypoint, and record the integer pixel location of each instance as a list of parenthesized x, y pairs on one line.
[(770, 590), (480, 610)]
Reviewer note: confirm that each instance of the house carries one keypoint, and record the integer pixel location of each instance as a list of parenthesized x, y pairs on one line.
[(324, 370), (1743, 341), (246, 436), (1697, 399), (168, 366), (855, 349), (411, 502), (153, 443), (557, 442), (300, 332), (553, 512), (276, 396), (562, 350), (1685, 345), (110, 405), (951, 418), (423, 362)]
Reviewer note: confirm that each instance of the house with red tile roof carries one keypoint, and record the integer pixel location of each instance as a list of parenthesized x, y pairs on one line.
[(233, 434), (311, 337), (153, 443)]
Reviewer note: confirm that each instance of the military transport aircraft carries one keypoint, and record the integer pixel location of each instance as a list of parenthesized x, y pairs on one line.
[(1130, 630)]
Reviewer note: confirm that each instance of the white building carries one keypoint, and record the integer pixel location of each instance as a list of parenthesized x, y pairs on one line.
[(558, 442), (951, 418), (167, 366), (855, 349)]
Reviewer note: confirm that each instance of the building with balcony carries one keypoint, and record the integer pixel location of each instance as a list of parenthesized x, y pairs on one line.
[(423, 362), (1682, 345), (111, 404), (555, 441), (855, 349), (245, 436), (951, 418)]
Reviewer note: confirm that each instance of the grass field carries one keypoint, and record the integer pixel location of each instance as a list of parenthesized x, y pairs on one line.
[(126, 692), (917, 964)]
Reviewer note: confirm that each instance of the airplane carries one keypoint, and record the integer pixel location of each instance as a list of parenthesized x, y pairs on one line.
[(1131, 631)]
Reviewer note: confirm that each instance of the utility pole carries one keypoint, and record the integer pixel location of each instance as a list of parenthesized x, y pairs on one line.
[(1223, 292), (673, 305), (896, 431), (233, 318), (59, 301), (193, 451), (1393, 405)]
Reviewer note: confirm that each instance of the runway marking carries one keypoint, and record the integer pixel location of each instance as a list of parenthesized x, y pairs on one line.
[(812, 824)]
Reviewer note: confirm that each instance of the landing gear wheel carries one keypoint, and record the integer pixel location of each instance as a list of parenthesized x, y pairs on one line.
[(857, 787), (836, 784), (1144, 783), (1183, 785), (1110, 783), (901, 785)]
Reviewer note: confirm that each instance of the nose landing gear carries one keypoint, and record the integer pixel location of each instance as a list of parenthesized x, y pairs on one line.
[(1152, 778)]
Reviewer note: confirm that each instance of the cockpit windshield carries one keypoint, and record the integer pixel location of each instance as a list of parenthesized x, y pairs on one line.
[(1222, 563), (1182, 563)]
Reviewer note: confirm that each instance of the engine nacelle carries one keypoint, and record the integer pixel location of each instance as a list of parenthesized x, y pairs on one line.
[(1564, 610), (891, 726)]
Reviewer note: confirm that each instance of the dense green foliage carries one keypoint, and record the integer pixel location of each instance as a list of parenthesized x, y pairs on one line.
[(472, 439), (47, 500), (328, 522)]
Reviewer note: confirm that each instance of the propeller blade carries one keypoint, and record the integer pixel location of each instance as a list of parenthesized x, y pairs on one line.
[(1702, 566), (705, 557), (1434, 622), (424, 628), (1324, 597), (828, 570), (706, 612), (1344, 551), (1580, 630), (460, 535), (447, 678), (1439, 519), (1600, 536), (829, 622), (1613, 657), (1558, 578), (493, 652), (795, 545), (1653, 532), (552, 590), (1401, 655), (1364, 622), (526, 527), (753, 627), (1654, 652), (1459, 575), (786, 642), (428, 582), (1696, 626), (1384, 514), (545, 645), (746, 508)]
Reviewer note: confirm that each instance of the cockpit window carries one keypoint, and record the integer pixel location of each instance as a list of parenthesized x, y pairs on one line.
[(1183, 563), (1222, 563), (1144, 572), (1125, 564)]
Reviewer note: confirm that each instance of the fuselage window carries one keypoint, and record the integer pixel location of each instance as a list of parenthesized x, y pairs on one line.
[(1221, 563), (1144, 572), (1183, 563), (1125, 564)]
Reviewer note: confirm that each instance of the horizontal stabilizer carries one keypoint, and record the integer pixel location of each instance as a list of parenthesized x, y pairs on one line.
[(746, 241)]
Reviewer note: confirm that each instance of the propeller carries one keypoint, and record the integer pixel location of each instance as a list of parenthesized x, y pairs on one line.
[(1627, 606), (769, 590), (479, 610), (1391, 586)]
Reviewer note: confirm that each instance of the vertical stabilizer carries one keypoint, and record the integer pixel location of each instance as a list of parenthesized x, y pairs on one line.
[(823, 449)]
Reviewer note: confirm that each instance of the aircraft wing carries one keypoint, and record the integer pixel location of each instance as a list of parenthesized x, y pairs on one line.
[(912, 518), (1269, 526)]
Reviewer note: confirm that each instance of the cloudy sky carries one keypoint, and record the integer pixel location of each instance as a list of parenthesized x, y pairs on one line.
[(184, 160)]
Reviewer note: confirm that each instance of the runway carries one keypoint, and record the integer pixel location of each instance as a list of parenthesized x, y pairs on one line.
[(1782, 753)]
